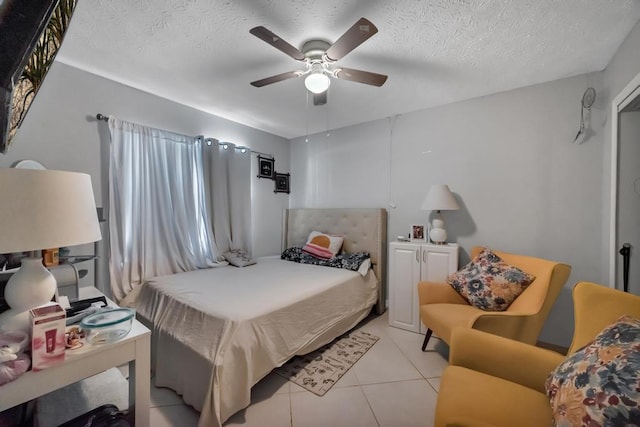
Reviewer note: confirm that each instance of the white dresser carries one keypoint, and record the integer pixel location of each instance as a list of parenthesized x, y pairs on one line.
[(410, 263)]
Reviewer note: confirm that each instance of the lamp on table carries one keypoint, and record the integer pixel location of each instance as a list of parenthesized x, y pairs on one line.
[(439, 198), (41, 209)]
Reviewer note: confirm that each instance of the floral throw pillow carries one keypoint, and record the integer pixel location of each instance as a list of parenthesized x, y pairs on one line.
[(489, 283), (599, 385)]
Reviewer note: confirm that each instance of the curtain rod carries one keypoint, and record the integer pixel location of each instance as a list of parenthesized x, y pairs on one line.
[(104, 118)]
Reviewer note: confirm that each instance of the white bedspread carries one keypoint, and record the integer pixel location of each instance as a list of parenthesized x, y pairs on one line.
[(218, 331)]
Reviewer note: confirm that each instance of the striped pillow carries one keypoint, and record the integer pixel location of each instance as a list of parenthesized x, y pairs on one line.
[(323, 245)]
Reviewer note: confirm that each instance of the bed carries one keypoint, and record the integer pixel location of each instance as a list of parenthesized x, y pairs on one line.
[(217, 332)]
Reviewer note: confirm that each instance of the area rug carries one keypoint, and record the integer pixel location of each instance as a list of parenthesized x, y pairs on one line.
[(319, 370)]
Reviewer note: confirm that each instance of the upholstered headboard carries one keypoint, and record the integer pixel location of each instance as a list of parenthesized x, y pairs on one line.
[(363, 229)]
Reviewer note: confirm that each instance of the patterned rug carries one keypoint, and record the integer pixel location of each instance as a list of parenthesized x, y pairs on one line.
[(319, 370)]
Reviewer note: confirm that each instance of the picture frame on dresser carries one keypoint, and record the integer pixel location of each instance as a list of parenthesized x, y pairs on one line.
[(418, 233)]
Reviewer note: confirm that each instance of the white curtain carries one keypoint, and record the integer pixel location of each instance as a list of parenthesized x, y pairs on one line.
[(177, 203)]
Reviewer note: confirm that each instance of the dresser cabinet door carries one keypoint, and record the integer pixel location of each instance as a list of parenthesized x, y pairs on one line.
[(404, 274)]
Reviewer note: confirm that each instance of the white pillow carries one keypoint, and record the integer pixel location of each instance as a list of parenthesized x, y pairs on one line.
[(364, 267), (323, 245), (238, 258)]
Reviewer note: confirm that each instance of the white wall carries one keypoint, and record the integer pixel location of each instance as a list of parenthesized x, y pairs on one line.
[(521, 183), (523, 186), (347, 167), (509, 158), (61, 132), (624, 66)]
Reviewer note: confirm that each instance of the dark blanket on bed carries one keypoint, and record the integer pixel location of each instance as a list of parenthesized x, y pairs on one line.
[(349, 261)]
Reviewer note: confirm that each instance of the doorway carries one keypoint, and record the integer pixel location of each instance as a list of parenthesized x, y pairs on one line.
[(625, 188)]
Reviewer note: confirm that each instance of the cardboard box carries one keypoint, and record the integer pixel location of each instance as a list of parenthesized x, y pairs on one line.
[(47, 336)]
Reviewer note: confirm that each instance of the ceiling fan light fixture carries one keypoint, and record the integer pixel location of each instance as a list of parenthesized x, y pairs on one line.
[(317, 82)]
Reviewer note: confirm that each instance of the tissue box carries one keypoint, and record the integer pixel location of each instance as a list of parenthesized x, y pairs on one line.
[(47, 336)]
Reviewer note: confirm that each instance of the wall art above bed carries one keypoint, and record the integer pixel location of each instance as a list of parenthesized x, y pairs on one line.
[(282, 183), (266, 167)]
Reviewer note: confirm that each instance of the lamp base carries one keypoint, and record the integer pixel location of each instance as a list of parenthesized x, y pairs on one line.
[(31, 286), (438, 234)]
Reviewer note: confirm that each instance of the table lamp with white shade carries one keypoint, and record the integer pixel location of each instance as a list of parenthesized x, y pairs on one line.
[(41, 209), (439, 198)]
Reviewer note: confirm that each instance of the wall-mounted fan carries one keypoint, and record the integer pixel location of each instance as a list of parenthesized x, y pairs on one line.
[(588, 99), (320, 59)]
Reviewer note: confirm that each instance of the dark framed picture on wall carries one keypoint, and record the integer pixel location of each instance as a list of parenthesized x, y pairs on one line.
[(265, 167), (282, 183)]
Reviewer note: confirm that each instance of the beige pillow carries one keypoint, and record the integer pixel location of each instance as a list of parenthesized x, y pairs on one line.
[(323, 245), (238, 258)]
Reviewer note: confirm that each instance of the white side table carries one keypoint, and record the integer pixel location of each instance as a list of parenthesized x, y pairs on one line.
[(410, 263), (90, 360)]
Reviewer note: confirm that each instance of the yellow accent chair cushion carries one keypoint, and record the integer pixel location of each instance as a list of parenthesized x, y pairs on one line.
[(442, 308), (496, 381)]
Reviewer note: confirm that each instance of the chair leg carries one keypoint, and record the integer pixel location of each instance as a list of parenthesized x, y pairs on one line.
[(426, 339)]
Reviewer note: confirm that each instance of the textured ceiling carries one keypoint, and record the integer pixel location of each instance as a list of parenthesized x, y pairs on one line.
[(200, 52)]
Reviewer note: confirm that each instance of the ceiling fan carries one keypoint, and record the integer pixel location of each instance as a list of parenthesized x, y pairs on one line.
[(320, 59)]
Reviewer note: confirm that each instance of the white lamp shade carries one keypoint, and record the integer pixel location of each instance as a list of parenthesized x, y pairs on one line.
[(317, 82), (439, 198), (43, 209)]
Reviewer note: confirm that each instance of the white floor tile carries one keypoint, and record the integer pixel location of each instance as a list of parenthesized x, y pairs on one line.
[(345, 406), (412, 340), (295, 388), (272, 411), (408, 339), (377, 325), (430, 363), (171, 416), (405, 403), (435, 383), (384, 362), (348, 379), (270, 385), (386, 387)]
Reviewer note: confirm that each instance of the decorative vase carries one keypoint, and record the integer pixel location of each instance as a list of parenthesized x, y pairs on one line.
[(438, 234)]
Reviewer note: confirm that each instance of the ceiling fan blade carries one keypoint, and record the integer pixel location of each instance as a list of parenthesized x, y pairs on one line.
[(320, 98), (275, 79), (360, 76), (274, 40), (354, 37)]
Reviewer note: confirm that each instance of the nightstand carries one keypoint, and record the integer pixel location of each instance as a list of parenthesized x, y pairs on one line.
[(90, 360), (410, 263)]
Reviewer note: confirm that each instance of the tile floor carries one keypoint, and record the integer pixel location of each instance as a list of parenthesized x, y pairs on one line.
[(393, 384)]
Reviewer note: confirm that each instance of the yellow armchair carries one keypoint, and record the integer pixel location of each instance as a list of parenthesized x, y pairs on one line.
[(442, 308), (495, 381)]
